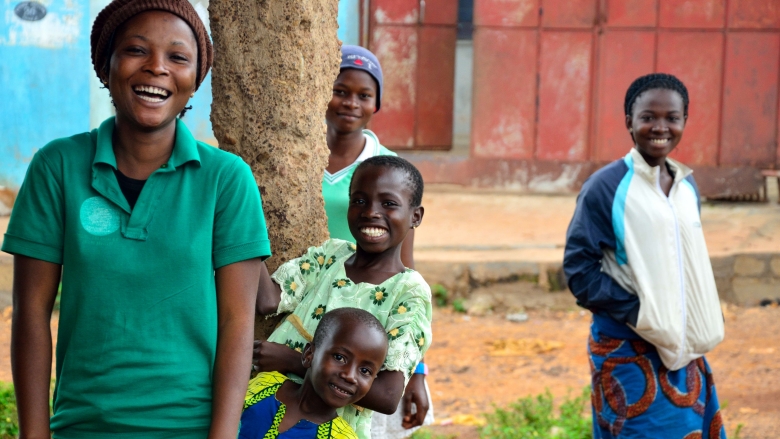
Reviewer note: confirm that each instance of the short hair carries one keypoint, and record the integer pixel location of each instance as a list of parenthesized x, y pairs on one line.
[(330, 321), (651, 82), (415, 180)]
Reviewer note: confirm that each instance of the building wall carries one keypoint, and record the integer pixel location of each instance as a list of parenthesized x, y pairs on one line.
[(44, 72), (549, 79), (48, 88)]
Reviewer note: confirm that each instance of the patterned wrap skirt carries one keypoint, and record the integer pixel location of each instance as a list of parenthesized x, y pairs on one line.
[(635, 396)]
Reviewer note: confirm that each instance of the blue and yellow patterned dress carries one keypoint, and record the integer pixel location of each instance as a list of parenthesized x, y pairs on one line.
[(263, 414)]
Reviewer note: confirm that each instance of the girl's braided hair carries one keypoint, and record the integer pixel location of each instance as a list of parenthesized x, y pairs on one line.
[(654, 81)]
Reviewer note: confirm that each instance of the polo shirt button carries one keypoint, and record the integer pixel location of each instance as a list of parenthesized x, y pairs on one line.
[(164, 165)]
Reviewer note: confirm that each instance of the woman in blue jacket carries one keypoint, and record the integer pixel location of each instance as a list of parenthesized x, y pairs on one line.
[(636, 257)]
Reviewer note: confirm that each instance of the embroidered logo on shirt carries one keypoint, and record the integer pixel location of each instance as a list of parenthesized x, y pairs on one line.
[(99, 217)]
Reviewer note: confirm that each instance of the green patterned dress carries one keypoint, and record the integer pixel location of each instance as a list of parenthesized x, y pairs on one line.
[(317, 282)]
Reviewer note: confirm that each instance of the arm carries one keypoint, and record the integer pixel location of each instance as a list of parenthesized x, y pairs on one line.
[(385, 392), (34, 290), (269, 293), (236, 293), (415, 389), (415, 393), (268, 356), (407, 250), (589, 232)]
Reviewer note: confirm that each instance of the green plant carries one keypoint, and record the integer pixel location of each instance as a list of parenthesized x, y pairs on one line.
[(737, 431), (9, 422), (534, 417), (440, 294), (424, 433), (459, 305)]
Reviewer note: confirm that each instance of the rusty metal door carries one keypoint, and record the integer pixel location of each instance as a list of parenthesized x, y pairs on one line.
[(550, 77), (415, 43)]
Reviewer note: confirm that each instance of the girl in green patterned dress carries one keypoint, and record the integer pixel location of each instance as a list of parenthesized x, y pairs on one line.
[(385, 203)]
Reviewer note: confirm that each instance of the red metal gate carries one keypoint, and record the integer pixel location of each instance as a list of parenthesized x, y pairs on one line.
[(415, 42), (550, 78)]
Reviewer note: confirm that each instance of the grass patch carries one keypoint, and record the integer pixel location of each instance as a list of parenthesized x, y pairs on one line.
[(9, 422), (424, 433), (440, 296), (737, 431), (535, 417), (459, 305)]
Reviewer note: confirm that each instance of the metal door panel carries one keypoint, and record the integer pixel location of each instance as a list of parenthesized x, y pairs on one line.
[(692, 13), (435, 86), (572, 13), (396, 48), (506, 12), (749, 135), (696, 58), (564, 96), (631, 13), (504, 98), (395, 11), (439, 12), (755, 14), (624, 56)]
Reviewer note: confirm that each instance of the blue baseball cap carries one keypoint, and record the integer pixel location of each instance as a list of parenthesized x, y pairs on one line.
[(360, 58)]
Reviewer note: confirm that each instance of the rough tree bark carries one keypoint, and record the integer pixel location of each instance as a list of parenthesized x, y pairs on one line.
[(275, 62)]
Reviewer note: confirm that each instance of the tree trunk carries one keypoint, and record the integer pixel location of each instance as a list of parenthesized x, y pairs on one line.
[(274, 67)]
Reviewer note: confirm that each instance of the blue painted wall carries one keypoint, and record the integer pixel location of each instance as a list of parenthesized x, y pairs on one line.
[(44, 82), (349, 21), (48, 88)]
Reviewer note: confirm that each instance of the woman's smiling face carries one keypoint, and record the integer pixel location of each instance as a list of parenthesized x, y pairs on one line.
[(656, 123), (353, 102), (153, 69)]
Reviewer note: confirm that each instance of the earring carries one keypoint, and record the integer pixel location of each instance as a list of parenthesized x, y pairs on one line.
[(630, 130), (414, 227), (192, 95)]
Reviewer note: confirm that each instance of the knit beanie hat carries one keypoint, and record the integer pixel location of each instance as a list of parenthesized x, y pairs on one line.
[(119, 11), (360, 58)]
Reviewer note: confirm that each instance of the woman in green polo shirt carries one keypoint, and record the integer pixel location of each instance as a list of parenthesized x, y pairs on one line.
[(155, 238)]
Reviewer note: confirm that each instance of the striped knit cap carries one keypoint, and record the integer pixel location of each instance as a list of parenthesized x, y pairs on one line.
[(119, 11)]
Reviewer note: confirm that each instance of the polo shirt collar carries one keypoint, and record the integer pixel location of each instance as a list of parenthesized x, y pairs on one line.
[(185, 148)]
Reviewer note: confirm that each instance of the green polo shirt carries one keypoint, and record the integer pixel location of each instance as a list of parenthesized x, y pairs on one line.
[(137, 333)]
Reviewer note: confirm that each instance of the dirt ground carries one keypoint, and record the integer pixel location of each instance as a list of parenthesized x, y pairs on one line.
[(467, 378)]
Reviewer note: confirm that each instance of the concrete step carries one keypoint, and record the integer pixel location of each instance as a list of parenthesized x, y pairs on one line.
[(742, 279)]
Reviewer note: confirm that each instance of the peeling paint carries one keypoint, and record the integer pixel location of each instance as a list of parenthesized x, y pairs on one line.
[(520, 11), (507, 138), (399, 59), (552, 183), (382, 17), (54, 31)]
